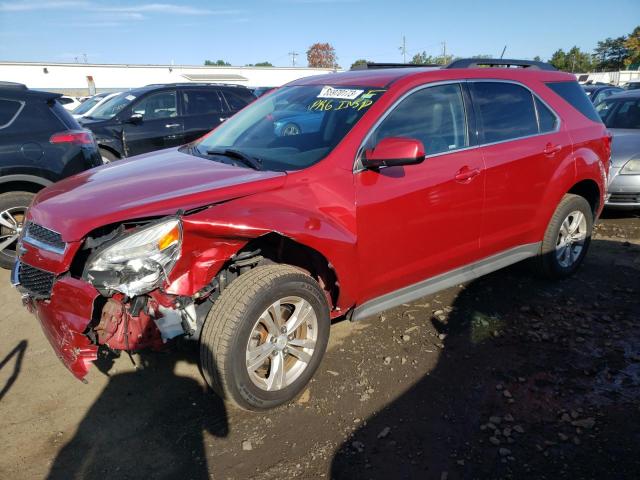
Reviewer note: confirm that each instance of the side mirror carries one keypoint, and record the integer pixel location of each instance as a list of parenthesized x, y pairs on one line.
[(135, 118), (394, 151)]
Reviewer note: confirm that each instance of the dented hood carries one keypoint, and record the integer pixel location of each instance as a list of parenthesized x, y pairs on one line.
[(160, 183)]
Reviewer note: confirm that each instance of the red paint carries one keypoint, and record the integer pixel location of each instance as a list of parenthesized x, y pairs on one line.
[(119, 330), (380, 230)]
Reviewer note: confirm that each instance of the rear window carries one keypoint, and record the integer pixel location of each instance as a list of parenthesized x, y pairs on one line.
[(573, 94), (8, 110), (506, 110), (200, 102), (234, 101), (620, 113)]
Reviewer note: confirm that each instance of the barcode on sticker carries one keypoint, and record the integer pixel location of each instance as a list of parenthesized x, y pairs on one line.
[(340, 93)]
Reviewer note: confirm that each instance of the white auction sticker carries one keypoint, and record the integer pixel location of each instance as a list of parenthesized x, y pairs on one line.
[(130, 97), (339, 93)]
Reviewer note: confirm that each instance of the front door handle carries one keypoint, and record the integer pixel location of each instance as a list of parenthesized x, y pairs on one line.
[(222, 119), (550, 149), (172, 125), (466, 174)]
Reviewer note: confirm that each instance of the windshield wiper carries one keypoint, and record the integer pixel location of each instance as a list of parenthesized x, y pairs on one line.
[(248, 160)]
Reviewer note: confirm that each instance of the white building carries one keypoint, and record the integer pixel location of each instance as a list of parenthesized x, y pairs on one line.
[(85, 79)]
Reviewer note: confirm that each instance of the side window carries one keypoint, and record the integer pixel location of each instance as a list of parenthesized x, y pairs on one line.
[(506, 110), (433, 115), (200, 102), (8, 111), (235, 103), (157, 105), (546, 119), (573, 94)]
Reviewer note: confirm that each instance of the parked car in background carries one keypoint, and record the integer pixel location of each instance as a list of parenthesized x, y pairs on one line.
[(291, 122), (161, 116), (259, 91), (250, 243), (40, 143), (69, 103), (632, 85), (90, 104), (599, 92), (621, 115)]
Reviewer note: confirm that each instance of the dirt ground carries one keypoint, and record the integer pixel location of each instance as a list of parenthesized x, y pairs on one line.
[(505, 377)]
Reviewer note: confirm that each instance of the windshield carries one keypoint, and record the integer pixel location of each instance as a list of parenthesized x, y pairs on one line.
[(620, 113), (112, 107), (294, 127), (87, 105)]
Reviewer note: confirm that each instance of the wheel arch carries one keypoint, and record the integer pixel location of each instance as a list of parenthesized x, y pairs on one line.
[(22, 183), (109, 149), (590, 191)]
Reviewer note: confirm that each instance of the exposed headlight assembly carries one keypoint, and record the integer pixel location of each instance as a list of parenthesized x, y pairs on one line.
[(632, 167), (137, 262)]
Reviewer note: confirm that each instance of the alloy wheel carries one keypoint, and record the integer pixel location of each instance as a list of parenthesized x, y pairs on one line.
[(571, 238)]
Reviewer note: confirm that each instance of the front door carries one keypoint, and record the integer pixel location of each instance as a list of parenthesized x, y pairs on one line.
[(155, 124), (418, 221)]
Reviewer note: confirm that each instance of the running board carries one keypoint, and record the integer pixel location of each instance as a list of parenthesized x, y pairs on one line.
[(445, 280)]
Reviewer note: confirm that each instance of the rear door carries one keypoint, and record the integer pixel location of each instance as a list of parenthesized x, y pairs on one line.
[(523, 147), (203, 110), (159, 126)]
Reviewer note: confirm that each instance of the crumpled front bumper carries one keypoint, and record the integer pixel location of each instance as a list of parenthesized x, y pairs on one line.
[(64, 317)]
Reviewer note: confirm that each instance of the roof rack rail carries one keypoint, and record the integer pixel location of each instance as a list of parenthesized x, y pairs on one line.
[(374, 65), (499, 62), (13, 85), (194, 84)]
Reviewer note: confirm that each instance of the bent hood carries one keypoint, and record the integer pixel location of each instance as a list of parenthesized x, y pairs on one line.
[(625, 145), (155, 184)]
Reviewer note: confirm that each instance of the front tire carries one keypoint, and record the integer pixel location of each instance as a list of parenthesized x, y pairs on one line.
[(107, 156), (264, 337), (567, 238)]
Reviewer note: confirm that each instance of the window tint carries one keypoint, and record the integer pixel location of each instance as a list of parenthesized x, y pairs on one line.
[(37, 117), (506, 110), (235, 103), (65, 100), (572, 93), (433, 115), (199, 102), (546, 119), (621, 113), (157, 105), (8, 110)]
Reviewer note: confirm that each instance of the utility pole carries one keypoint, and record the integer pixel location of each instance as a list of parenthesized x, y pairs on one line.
[(403, 49), (503, 50), (293, 58), (444, 52)]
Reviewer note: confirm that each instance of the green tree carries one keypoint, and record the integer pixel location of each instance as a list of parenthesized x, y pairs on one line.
[(357, 63), (537, 58), (421, 58), (575, 60), (264, 64), (217, 63), (322, 55), (632, 44), (611, 53)]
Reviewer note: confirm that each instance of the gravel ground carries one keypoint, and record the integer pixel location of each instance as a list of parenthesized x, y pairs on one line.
[(504, 377)]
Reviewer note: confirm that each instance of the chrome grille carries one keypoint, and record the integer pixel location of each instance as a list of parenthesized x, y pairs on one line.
[(34, 281), (624, 198), (44, 238)]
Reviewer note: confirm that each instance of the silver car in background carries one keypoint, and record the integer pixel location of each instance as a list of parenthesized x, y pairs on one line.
[(621, 114)]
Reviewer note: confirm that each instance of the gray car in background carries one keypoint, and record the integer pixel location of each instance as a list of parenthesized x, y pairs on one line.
[(621, 114)]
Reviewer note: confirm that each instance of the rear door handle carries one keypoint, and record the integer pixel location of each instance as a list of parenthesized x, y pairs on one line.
[(466, 174), (551, 149), (172, 125)]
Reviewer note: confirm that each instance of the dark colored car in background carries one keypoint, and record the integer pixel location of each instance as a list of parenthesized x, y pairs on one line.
[(597, 93), (160, 116), (40, 143)]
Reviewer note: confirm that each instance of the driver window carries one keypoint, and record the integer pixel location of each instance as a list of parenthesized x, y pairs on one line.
[(433, 115), (157, 105)]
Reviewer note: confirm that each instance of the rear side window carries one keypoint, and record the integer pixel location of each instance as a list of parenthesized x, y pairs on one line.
[(506, 110), (546, 118), (573, 94), (38, 117), (200, 102), (8, 111), (234, 101), (621, 113)]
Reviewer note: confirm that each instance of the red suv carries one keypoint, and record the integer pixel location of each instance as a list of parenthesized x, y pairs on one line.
[(251, 240)]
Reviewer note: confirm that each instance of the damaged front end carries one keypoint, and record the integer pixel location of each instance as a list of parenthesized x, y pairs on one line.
[(109, 290)]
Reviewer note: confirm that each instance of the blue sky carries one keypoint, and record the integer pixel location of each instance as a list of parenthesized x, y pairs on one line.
[(242, 32)]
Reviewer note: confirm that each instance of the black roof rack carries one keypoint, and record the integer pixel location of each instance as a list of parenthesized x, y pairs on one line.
[(194, 84), (499, 62), (374, 65), (13, 85)]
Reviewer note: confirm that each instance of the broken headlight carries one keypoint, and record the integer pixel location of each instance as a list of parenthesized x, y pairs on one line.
[(138, 262)]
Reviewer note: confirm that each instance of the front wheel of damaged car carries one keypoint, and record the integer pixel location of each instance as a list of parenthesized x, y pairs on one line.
[(265, 336)]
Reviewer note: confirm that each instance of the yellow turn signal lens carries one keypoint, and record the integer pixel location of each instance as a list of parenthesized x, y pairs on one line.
[(170, 238)]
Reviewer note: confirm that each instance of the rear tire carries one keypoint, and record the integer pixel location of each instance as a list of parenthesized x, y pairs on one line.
[(567, 238), (107, 156), (13, 209), (264, 337)]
